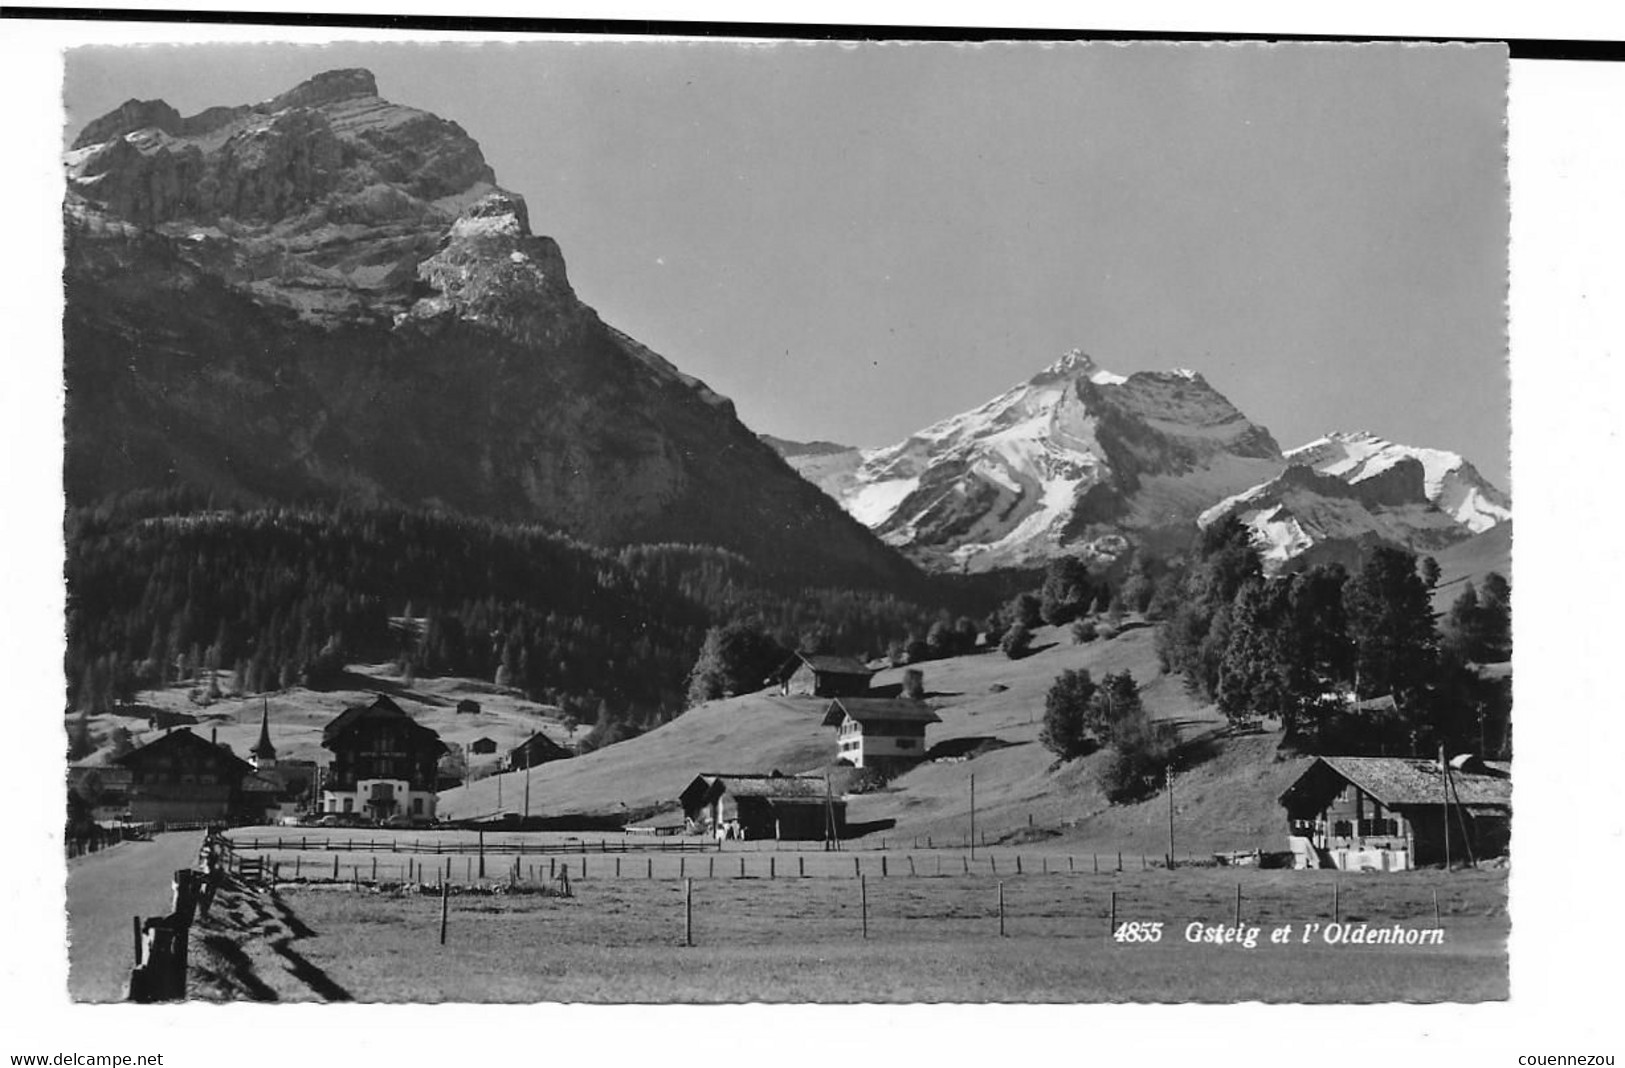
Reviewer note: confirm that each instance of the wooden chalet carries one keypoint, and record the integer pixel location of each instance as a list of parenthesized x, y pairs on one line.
[(756, 806), (534, 751), (468, 707), (384, 763), (181, 777), (825, 676), (482, 746), (880, 733), (1391, 813)]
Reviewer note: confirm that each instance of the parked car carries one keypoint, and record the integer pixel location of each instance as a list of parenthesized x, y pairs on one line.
[(400, 820)]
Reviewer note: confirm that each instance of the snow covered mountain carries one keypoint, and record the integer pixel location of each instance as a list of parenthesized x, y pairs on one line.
[(1077, 460), (1347, 490), (1453, 485)]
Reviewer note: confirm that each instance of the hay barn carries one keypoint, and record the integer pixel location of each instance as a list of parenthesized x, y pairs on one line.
[(756, 806), (825, 676), (1390, 813)]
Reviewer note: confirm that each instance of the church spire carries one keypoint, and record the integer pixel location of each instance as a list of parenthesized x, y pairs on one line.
[(264, 752)]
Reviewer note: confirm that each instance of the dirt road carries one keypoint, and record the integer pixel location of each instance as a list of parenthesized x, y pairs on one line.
[(104, 891)]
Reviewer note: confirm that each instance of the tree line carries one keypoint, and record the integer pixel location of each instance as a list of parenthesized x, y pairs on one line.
[(1354, 662), (169, 587)]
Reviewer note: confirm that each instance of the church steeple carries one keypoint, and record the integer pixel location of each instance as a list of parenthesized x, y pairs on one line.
[(264, 753)]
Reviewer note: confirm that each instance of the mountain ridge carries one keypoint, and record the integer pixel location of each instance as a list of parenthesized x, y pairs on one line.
[(326, 296)]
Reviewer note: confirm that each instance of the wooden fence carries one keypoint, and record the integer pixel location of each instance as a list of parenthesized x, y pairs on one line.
[(162, 942), (323, 844)]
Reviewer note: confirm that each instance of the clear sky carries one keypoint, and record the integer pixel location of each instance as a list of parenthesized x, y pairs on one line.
[(853, 241)]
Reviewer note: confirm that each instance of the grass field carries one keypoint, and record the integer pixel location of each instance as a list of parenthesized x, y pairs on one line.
[(929, 939)]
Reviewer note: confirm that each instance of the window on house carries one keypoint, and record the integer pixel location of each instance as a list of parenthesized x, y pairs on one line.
[(905, 743), (349, 804), (417, 806)]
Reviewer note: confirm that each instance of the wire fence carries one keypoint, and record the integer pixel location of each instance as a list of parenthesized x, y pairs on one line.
[(1154, 907)]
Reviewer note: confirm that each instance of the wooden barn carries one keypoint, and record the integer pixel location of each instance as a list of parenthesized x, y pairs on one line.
[(880, 733), (468, 707), (825, 676), (1391, 813), (384, 763), (756, 806), (533, 752), (482, 746), (181, 777)]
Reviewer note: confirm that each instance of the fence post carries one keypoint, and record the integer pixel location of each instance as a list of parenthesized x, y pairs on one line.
[(482, 854), (1018, 863), (1112, 923), (741, 865), (682, 867), (583, 865), (296, 865), (651, 867), (1001, 908), (1337, 911), (137, 922), (801, 867), (617, 867), (1119, 860), (711, 867), (882, 866), (688, 912), (1238, 904), (772, 867), (335, 867), (445, 908), (863, 902), (1436, 922), (964, 863), (911, 864), (375, 867), (857, 868)]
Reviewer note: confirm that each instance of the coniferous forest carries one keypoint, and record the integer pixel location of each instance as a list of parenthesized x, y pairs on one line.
[(165, 587)]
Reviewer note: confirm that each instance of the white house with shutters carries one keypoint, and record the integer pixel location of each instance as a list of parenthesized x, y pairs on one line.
[(873, 732)]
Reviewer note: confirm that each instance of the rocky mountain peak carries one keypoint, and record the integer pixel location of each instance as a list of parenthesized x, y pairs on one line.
[(332, 296), (326, 88)]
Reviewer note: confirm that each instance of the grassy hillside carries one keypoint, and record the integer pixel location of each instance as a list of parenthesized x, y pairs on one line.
[(988, 703)]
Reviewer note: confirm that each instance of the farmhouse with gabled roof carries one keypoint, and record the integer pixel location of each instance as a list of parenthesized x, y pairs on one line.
[(880, 733), (1392, 813), (757, 806), (826, 676), (181, 777)]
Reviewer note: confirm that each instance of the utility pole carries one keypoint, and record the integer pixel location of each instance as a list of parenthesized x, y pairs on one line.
[(527, 783), (1444, 782), (973, 815), (1169, 773)]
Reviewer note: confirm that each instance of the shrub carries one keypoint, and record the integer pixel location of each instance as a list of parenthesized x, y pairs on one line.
[(1084, 631), (1140, 755), (1017, 642)]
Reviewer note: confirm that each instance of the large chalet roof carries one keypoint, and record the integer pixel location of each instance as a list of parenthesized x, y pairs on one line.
[(382, 709), (835, 665), (879, 709), (178, 741), (1416, 781)]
